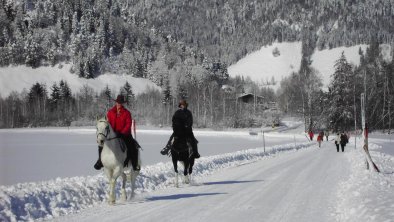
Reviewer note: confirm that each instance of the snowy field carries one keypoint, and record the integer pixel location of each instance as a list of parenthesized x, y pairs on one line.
[(33, 155), (47, 174)]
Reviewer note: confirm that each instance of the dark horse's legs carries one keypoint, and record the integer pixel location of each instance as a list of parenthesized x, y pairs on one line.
[(191, 164), (186, 167), (174, 162), (180, 157)]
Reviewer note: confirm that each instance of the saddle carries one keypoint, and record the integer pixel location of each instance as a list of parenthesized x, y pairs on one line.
[(178, 145)]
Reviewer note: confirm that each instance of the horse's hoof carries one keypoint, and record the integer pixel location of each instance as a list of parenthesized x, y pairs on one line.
[(123, 196), (111, 202), (187, 181)]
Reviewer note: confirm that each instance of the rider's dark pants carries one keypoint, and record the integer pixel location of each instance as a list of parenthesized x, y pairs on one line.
[(132, 150)]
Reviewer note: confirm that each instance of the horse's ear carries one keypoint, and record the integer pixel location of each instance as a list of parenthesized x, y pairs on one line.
[(106, 118), (97, 118)]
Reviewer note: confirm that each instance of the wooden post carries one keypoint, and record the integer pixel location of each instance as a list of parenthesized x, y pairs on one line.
[(263, 140), (368, 160)]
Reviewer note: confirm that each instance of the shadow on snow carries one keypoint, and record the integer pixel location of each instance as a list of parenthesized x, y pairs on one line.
[(231, 182), (180, 196)]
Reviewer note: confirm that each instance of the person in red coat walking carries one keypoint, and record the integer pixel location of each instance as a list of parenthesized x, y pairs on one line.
[(320, 138), (311, 135), (120, 120)]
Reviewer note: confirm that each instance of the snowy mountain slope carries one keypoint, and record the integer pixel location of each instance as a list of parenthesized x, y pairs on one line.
[(264, 64), (261, 66), (17, 78)]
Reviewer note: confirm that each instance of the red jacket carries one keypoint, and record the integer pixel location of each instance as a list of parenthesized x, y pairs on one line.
[(121, 122)]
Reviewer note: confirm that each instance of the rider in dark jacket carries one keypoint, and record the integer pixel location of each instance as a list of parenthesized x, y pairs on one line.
[(182, 123)]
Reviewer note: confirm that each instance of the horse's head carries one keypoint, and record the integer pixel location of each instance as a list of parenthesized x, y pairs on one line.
[(102, 130)]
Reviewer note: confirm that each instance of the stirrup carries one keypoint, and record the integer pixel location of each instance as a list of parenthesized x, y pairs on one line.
[(137, 168), (165, 150)]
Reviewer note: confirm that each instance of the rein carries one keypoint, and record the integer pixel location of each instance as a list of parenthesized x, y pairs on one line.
[(107, 131)]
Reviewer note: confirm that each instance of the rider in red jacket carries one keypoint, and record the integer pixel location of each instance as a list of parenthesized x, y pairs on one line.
[(120, 120)]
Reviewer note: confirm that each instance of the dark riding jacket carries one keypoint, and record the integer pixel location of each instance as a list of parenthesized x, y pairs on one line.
[(182, 123)]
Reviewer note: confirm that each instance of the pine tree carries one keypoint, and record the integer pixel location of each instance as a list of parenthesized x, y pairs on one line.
[(107, 96), (127, 91), (37, 100), (32, 50), (167, 95), (340, 96), (55, 100), (181, 89), (167, 98)]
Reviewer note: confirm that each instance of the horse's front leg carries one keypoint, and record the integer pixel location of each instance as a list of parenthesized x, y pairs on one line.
[(175, 163), (111, 187), (191, 164), (133, 176), (185, 172), (123, 195), (111, 198)]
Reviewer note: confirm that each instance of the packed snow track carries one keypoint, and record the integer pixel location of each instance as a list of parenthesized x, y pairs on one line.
[(294, 186)]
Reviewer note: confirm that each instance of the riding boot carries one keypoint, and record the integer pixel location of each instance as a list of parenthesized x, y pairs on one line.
[(98, 165), (128, 157), (134, 159), (167, 148)]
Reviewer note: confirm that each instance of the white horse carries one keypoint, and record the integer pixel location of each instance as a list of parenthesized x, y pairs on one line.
[(113, 159)]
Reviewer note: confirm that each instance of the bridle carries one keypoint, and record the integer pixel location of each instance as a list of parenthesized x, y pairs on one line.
[(106, 132)]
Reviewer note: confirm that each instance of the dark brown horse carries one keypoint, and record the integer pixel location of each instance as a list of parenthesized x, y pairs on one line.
[(181, 151)]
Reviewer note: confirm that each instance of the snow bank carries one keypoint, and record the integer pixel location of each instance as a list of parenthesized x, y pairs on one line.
[(50, 199), (367, 196)]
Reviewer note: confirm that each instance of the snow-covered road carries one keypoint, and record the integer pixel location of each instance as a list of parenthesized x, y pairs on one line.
[(296, 186)]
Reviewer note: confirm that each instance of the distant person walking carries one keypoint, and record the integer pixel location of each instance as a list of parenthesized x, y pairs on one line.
[(326, 133), (337, 141), (344, 141), (320, 139), (311, 135)]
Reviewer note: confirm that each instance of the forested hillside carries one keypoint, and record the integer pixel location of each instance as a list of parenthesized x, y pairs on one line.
[(230, 29), (185, 48), (140, 37)]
